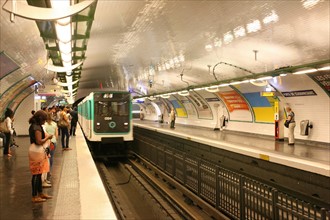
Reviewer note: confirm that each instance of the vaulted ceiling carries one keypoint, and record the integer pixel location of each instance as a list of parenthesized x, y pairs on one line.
[(159, 46)]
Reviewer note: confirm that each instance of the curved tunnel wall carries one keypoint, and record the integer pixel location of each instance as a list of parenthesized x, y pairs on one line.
[(247, 111)]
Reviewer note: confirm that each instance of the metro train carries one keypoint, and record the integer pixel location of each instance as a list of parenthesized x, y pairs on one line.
[(106, 117)]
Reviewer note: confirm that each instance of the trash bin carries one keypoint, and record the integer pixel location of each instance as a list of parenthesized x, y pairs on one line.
[(304, 127)]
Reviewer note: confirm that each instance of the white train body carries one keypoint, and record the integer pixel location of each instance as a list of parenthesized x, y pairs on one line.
[(106, 117)]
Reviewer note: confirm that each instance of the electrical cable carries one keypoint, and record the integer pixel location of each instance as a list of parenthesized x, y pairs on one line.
[(232, 65), (129, 179)]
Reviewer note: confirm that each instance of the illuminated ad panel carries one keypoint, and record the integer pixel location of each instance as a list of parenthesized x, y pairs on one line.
[(237, 106), (150, 109), (168, 105), (20, 97), (322, 78), (191, 111), (203, 109), (179, 107), (163, 106), (12, 93), (263, 107)]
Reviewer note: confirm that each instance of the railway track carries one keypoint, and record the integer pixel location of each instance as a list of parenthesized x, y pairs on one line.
[(139, 190)]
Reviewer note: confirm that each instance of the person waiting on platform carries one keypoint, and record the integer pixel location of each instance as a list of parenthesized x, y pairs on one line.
[(172, 117), (64, 125), (292, 125), (50, 128), (141, 114), (74, 121), (37, 158), (8, 131), (3, 137)]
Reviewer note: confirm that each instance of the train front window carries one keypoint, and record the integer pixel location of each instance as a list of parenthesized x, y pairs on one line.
[(119, 108), (109, 108)]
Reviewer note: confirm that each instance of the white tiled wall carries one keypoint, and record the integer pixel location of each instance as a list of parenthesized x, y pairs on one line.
[(23, 114), (313, 108)]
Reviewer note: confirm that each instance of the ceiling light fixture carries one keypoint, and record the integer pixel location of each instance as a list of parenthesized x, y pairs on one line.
[(212, 89), (21, 9), (165, 96), (258, 82), (235, 83), (151, 98), (271, 18), (324, 68), (265, 78), (61, 69), (184, 93), (253, 26), (306, 70), (197, 89), (67, 83)]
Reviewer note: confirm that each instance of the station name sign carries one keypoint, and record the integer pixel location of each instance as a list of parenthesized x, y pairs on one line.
[(299, 93)]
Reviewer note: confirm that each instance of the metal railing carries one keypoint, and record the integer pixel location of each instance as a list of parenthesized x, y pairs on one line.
[(236, 195)]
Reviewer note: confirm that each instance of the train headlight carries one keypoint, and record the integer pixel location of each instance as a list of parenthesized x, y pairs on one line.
[(98, 125)]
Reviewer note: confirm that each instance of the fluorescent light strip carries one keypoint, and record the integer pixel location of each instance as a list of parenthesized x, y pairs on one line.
[(235, 83), (63, 32), (209, 89), (198, 89), (65, 47), (184, 93), (60, 3), (165, 96), (66, 57), (265, 78), (304, 71), (323, 68)]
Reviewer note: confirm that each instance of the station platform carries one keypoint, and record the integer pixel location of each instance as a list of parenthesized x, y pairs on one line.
[(303, 155), (77, 190)]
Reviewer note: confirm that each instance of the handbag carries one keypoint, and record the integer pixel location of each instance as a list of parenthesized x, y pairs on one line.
[(63, 124), (38, 159), (52, 146), (286, 123), (3, 127)]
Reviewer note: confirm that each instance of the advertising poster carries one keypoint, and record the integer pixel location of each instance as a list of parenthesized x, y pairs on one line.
[(187, 104), (12, 93), (20, 97), (149, 108), (322, 78), (162, 105), (236, 105), (179, 107), (203, 109), (263, 107), (233, 100)]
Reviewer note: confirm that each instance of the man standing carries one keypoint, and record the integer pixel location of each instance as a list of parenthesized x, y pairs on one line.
[(74, 121), (172, 117)]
